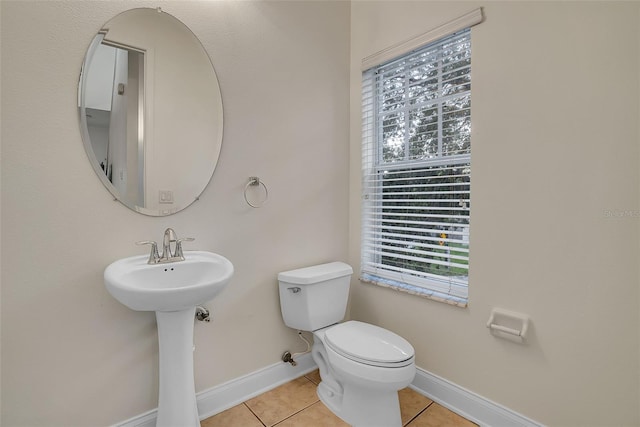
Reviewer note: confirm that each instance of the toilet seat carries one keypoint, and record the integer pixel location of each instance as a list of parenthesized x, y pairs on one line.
[(369, 344)]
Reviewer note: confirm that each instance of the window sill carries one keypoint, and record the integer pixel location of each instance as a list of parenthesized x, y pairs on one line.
[(414, 290)]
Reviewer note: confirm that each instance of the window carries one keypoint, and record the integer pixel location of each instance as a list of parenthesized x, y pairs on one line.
[(416, 170)]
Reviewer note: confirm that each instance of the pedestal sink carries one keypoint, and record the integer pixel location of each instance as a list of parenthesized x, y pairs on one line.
[(172, 290)]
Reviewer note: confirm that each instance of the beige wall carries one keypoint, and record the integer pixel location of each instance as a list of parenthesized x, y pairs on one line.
[(555, 116), (71, 354), (555, 147)]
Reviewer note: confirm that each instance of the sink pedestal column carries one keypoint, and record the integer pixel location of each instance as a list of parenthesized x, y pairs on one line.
[(177, 395)]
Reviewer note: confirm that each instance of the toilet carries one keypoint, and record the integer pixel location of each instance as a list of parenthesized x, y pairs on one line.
[(362, 366)]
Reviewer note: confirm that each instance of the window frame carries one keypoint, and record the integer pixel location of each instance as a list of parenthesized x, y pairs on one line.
[(441, 289)]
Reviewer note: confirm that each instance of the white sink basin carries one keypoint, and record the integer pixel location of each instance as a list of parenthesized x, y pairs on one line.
[(168, 287)]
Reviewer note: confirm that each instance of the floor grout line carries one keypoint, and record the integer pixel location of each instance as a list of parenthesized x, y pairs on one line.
[(296, 413), (418, 414), (291, 415), (254, 414)]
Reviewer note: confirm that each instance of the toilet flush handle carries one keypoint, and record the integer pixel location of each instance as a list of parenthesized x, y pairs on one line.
[(294, 289)]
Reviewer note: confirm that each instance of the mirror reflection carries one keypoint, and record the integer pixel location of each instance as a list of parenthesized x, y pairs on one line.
[(150, 111)]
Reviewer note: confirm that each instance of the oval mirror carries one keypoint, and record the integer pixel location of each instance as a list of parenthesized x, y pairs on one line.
[(150, 111)]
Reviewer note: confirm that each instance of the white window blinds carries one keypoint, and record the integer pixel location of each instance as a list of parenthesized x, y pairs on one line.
[(416, 170)]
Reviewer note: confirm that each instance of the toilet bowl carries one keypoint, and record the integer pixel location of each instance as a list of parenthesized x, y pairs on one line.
[(368, 369), (362, 366)]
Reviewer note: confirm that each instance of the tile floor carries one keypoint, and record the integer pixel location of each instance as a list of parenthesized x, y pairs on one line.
[(295, 404)]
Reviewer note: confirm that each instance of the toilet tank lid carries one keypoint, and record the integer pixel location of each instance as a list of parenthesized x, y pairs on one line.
[(316, 273)]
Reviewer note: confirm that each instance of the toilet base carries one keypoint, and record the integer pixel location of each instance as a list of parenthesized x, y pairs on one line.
[(361, 407), (331, 400)]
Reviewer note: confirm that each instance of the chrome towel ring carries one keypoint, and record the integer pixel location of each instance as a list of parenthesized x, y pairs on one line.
[(254, 181)]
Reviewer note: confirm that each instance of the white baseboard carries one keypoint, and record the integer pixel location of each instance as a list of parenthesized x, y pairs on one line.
[(236, 391), (466, 403), (461, 401)]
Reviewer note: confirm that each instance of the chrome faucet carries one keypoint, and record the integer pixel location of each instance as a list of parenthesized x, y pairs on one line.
[(167, 255), (169, 238)]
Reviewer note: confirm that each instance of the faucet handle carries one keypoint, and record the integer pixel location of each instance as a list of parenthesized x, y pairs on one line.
[(178, 253), (154, 256)]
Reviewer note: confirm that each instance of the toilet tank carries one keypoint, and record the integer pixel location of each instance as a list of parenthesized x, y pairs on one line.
[(314, 297)]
